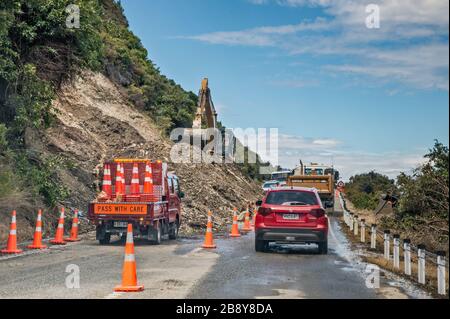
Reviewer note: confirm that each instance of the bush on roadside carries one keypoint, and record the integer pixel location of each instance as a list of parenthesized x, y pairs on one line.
[(364, 190)]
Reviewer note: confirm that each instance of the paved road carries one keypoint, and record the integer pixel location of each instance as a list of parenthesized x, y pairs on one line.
[(179, 270), (167, 271), (182, 270), (284, 272)]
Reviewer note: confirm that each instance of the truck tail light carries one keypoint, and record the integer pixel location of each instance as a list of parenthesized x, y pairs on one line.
[(264, 211), (317, 212)]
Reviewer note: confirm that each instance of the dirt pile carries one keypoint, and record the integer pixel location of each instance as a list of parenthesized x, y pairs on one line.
[(95, 122)]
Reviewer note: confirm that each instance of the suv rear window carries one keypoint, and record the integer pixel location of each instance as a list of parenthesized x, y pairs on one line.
[(293, 198)]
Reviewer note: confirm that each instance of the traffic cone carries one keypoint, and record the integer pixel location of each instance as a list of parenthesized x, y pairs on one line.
[(74, 231), (129, 277), (122, 178), (59, 240), (235, 227), (37, 241), (107, 186), (119, 190), (11, 247), (247, 227), (148, 181), (135, 181), (209, 240)]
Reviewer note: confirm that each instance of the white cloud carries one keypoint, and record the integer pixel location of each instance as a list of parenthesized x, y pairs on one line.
[(348, 162), (291, 149), (410, 48)]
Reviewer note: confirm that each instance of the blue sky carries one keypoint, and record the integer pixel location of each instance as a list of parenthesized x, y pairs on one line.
[(336, 90)]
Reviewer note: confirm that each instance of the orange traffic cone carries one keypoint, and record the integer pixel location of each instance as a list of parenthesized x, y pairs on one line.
[(119, 190), (235, 227), (135, 181), (148, 181), (59, 240), (37, 242), (11, 247), (129, 277), (247, 227), (209, 240), (74, 231), (254, 219), (122, 178), (107, 186)]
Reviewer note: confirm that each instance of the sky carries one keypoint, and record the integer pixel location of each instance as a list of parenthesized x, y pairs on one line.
[(339, 92)]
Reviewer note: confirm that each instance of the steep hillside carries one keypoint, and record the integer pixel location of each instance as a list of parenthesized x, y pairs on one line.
[(71, 98), (95, 122)]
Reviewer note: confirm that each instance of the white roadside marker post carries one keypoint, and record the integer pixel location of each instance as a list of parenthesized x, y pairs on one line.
[(407, 256), (363, 230), (351, 222), (441, 272), (355, 227), (387, 245), (421, 264), (397, 251), (373, 236)]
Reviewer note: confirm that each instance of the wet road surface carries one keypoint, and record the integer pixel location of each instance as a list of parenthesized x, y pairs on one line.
[(286, 271), (180, 269)]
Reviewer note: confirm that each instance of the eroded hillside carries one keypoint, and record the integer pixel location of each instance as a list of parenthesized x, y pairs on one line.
[(95, 122)]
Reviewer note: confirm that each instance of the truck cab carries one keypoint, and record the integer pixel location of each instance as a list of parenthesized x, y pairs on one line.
[(318, 176), (140, 192)]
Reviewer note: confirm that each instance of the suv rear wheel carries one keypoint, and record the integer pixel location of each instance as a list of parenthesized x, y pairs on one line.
[(261, 245), (323, 248)]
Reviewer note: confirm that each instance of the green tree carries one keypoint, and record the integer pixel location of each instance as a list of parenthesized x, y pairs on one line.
[(427, 190), (364, 190)]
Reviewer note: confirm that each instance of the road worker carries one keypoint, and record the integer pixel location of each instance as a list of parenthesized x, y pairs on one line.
[(96, 172)]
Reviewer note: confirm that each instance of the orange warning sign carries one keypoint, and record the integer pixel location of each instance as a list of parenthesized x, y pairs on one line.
[(120, 209)]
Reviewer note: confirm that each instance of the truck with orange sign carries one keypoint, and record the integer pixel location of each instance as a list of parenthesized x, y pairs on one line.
[(140, 192)]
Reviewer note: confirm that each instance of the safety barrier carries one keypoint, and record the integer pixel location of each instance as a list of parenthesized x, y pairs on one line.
[(438, 259), (59, 239)]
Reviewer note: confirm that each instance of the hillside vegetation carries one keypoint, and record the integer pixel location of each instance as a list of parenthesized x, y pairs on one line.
[(48, 72), (38, 53), (422, 212)]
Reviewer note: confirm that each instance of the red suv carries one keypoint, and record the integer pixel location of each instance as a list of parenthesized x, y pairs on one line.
[(291, 215)]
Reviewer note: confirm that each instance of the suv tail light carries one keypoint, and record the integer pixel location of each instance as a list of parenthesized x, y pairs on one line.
[(264, 211), (317, 212)]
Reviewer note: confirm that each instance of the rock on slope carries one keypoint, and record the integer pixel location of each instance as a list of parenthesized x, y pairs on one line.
[(95, 122)]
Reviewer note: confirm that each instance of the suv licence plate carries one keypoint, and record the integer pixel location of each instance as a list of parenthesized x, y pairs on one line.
[(291, 216), (120, 224)]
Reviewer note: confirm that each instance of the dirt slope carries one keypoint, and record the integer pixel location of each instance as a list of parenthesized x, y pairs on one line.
[(95, 122)]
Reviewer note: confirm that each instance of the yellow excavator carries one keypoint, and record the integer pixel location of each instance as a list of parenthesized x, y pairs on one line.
[(206, 116)]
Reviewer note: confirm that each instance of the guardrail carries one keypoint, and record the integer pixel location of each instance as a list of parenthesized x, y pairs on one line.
[(359, 228)]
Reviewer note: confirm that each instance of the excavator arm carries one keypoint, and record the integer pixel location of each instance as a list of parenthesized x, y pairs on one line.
[(206, 113)]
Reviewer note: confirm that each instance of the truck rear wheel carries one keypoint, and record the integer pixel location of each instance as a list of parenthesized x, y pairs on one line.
[(155, 234), (173, 233), (105, 240)]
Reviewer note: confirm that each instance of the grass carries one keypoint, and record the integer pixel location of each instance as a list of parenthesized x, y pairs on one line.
[(376, 257)]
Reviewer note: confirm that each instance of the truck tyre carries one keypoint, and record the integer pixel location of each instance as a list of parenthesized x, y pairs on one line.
[(156, 234), (105, 240), (173, 233), (261, 245), (323, 248)]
